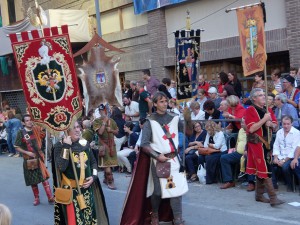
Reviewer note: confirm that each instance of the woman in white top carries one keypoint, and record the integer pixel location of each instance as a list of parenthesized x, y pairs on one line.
[(215, 139)]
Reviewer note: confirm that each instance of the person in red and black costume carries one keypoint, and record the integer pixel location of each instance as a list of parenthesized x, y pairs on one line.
[(29, 142), (258, 120)]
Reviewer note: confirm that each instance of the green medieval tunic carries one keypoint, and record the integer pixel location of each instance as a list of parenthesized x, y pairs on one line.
[(95, 213), (110, 158), (88, 134), (32, 177)]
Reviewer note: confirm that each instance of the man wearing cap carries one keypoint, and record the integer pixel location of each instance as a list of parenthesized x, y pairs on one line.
[(213, 96), (290, 91), (106, 128)]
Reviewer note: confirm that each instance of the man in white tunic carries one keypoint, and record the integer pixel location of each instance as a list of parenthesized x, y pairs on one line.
[(160, 141)]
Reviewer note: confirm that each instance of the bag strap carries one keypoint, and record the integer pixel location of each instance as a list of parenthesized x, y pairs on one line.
[(263, 141), (29, 144), (182, 167)]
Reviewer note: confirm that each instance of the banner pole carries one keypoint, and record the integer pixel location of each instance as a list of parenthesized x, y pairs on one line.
[(242, 7)]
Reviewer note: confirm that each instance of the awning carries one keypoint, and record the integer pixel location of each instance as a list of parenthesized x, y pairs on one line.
[(56, 17)]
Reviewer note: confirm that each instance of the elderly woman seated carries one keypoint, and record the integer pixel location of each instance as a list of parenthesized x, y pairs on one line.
[(191, 158), (214, 146)]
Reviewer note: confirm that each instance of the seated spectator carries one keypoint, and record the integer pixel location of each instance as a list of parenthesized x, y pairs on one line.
[(213, 96), (173, 106), (197, 113), (191, 158), (215, 140), (287, 140), (210, 110), (292, 93), (228, 89), (293, 73), (235, 111), (271, 102), (223, 109), (164, 89), (285, 109), (277, 83), (203, 84), (120, 137), (259, 81), (229, 160), (3, 136), (132, 138), (201, 98), (170, 88), (235, 82)]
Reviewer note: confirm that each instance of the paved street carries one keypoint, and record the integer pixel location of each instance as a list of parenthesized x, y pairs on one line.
[(204, 204)]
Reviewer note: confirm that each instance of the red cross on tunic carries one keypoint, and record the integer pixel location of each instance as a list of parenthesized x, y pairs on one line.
[(168, 135)]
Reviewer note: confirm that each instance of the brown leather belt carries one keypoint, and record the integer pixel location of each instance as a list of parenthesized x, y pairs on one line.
[(73, 183), (171, 155)]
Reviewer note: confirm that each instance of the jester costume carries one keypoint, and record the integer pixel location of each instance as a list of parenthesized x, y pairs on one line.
[(31, 140), (95, 212), (150, 198)]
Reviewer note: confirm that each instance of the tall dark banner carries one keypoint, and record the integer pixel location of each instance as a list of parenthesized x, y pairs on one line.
[(187, 45)]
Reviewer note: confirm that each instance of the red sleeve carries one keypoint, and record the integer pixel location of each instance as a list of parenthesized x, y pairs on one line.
[(251, 117), (273, 117), (240, 113)]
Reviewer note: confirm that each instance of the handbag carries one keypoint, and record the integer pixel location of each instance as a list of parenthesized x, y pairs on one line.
[(163, 169), (32, 164), (64, 194), (205, 151), (201, 173)]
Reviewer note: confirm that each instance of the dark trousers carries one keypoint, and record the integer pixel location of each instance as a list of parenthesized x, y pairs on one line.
[(212, 165), (132, 158), (287, 173), (227, 162), (191, 160)]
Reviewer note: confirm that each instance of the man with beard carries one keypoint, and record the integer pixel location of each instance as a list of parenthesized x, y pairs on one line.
[(28, 142), (131, 109)]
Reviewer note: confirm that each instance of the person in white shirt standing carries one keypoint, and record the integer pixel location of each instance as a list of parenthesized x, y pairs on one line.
[(131, 109), (286, 142)]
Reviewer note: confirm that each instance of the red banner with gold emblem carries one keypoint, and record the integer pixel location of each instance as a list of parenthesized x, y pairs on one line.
[(46, 69), (252, 39)]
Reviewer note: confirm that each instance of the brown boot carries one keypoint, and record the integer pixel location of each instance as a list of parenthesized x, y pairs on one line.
[(110, 180), (154, 218), (35, 190), (47, 188), (259, 191), (271, 192)]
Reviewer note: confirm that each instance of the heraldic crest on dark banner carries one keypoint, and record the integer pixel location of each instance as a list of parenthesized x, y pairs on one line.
[(48, 76), (187, 45)]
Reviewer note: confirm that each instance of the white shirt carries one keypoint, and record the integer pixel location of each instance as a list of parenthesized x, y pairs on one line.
[(132, 109), (172, 92), (199, 116), (219, 139), (285, 146)]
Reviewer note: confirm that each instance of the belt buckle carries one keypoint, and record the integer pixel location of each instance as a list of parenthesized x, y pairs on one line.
[(27, 137)]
